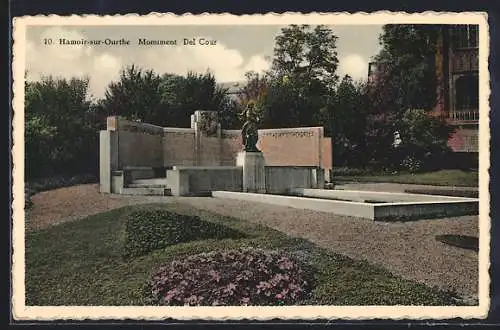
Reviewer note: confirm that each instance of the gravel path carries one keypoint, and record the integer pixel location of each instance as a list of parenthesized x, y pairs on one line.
[(76, 202), (408, 249)]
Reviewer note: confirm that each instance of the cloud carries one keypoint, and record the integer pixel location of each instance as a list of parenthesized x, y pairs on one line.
[(353, 65), (226, 64), (257, 63), (70, 61), (103, 65), (105, 68)]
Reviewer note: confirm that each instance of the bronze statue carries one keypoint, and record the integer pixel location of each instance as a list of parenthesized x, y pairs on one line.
[(249, 132)]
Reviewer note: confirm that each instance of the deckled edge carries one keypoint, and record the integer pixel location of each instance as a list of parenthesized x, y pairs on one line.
[(395, 17)]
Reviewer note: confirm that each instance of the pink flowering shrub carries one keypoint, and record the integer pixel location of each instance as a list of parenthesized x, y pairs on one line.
[(235, 277)]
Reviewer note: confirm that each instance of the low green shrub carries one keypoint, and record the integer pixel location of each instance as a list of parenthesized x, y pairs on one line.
[(244, 276), (365, 171), (27, 197), (411, 164), (61, 181), (148, 230), (349, 171)]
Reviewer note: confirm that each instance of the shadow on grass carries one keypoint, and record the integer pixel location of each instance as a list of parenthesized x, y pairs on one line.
[(461, 241)]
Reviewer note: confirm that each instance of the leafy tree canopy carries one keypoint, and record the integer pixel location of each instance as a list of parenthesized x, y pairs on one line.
[(406, 67), (166, 100), (301, 78), (59, 135)]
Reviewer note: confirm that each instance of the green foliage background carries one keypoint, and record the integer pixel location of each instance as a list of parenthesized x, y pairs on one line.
[(301, 88)]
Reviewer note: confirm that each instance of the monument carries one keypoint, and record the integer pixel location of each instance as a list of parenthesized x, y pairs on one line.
[(146, 159), (251, 159)]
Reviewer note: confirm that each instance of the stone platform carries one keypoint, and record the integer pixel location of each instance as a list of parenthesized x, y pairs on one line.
[(378, 206)]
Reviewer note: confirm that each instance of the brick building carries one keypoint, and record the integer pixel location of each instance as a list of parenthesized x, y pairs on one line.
[(457, 72)]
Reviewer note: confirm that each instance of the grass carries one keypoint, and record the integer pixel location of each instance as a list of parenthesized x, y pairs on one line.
[(456, 178), (445, 192), (80, 263)]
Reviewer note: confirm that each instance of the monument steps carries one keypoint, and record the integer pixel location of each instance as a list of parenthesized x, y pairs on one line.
[(147, 191), (146, 185), (155, 182)]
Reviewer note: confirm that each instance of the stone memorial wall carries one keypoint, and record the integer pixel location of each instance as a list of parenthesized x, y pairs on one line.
[(303, 146), (205, 144), (138, 144), (178, 146)]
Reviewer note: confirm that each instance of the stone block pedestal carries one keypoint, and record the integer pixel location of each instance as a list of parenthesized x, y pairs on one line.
[(254, 175)]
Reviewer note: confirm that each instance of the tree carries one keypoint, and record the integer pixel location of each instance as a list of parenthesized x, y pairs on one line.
[(306, 55), (281, 107), (59, 137), (136, 96), (405, 79), (424, 140), (344, 114), (229, 115), (181, 96), (40, 137), (301, 77), (166, 100), (253, 91), (407, 63), (276, 102)]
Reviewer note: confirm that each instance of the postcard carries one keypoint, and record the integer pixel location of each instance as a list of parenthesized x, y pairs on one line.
[(319, 166)]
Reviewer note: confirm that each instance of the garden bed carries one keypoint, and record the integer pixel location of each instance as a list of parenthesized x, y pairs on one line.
[(456, 178)]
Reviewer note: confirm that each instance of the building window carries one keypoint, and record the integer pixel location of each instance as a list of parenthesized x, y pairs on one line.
[(467, 93), (465, 36)]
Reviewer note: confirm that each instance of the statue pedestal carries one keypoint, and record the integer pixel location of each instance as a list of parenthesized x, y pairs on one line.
[(254, 175)]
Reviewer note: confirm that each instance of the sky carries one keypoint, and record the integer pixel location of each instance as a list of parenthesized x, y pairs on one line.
[(234, 51)]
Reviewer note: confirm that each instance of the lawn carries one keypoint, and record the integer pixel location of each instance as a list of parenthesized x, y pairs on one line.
[(456, 178), (81, 263)]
